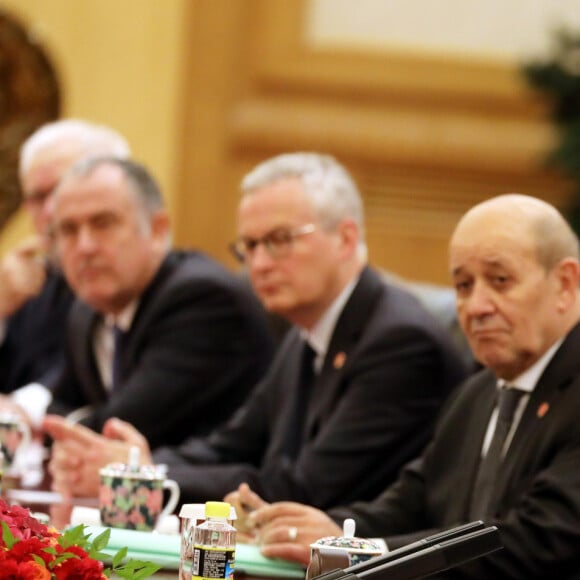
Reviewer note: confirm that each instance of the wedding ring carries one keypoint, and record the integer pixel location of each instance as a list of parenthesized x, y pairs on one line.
[(292, 533)]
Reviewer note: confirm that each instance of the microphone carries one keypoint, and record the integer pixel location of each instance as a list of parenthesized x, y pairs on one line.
[(428, 556)]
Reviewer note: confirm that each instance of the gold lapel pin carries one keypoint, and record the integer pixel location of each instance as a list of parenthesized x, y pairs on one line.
[(339, 360), (543, 408)]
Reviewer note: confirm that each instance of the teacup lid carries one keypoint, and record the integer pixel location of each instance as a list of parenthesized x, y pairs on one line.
[(348, 541), (137, 472), (351, 544)]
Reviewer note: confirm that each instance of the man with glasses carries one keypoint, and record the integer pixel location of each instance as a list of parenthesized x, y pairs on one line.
[(355, 385)]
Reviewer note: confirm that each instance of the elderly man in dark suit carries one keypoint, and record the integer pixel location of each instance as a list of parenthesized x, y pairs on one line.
[(514, 263), (356, 384), (34, 296), (168, 340)]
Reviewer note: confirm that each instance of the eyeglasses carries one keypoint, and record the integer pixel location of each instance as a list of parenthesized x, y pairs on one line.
[(278, 243)]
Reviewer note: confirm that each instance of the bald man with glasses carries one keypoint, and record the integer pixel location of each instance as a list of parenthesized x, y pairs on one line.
[(355, 386)]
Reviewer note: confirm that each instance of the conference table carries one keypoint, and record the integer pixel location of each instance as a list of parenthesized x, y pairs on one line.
[(58, 511)]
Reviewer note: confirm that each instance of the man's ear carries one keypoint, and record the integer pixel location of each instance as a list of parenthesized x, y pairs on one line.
[(567, 274), (349, 234), (160, 227)]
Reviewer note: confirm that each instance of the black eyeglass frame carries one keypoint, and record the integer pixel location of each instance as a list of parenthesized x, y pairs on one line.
[(278, 242)]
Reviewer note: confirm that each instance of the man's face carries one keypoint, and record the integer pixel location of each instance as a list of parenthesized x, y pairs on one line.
[(108, 252), (39, 181), (506, 301), (302, 284)]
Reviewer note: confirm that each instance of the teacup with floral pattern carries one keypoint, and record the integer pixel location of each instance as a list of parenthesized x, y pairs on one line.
[(132, 498)]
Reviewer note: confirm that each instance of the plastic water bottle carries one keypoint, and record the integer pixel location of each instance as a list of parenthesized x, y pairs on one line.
[(214, 546)]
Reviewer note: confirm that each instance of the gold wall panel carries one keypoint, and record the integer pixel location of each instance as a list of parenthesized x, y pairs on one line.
[(425, 137)]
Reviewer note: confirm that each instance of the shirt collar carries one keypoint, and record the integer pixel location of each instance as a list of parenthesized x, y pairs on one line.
[(123, 319), (321, 333), (528, 379)]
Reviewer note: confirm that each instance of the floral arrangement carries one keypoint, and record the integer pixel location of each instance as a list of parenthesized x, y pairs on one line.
[(30, 550)]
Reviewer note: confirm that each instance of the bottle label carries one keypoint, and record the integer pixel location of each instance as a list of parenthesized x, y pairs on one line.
[(209, 563)]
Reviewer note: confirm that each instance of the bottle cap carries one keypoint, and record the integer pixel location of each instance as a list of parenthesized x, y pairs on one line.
[(217, 509), (197, 511)]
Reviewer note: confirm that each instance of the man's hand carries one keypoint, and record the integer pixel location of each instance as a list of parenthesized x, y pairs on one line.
[(245, 501), (22, 275), (286, 529), (78, 453)]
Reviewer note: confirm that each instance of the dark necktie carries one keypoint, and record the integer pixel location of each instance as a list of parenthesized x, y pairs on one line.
[(116, 368), (297, 423), (490, 464)]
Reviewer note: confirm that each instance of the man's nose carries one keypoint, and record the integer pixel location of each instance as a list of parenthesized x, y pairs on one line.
[(85, 239), (480, 300), (260, 257)]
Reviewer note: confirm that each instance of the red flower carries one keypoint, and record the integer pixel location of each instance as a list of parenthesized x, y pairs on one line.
[(30, 550), (21, 523), (74, 569), (11, 570), (22, 551)]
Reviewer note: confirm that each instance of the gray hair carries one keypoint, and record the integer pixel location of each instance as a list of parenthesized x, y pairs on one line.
[(90, 139), (146, 191), (331, 189)]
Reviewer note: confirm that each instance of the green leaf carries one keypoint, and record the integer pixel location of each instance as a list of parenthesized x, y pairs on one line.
[(38, 560), (101, 541), (136, 569), (75, 537), (61, 558), (119, 557), (7, 536)]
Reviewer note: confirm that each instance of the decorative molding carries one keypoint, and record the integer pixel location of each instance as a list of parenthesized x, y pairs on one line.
[(425, 137)]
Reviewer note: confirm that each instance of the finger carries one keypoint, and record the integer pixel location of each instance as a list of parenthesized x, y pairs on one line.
[(288, 551), (63, 457), (61, 429), (116, 429), (249, 498), (241, 523), (268, 512)]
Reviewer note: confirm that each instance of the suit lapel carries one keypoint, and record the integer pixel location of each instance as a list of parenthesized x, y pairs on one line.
[(543, 402), (470, 451), (349, 327), (84, 321)]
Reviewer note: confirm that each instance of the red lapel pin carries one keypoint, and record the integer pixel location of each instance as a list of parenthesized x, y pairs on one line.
[(543, 408), (339, 360)]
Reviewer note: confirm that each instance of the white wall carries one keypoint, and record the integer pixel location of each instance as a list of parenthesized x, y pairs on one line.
[(488, 29)]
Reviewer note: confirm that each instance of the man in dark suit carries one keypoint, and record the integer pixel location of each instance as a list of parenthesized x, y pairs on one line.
[(380, 366), (194, 338), (34, 296), (514, 262)]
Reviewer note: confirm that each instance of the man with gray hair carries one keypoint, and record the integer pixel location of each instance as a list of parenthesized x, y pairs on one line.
[(166, 339), (355, 385), (34, 296), (507, 447)]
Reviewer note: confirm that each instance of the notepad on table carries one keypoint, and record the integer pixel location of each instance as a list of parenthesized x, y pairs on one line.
[(164, 550)]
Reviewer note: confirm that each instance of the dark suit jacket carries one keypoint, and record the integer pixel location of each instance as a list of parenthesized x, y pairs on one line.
[(32, 350), (537, 498), (197, 345), (365, 419)]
